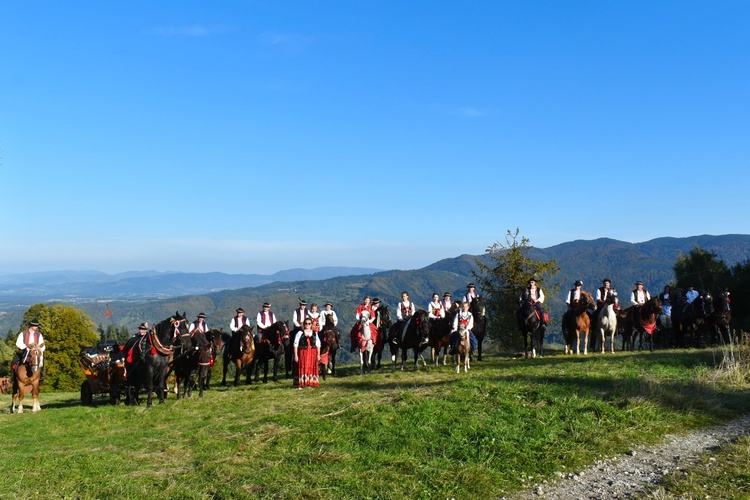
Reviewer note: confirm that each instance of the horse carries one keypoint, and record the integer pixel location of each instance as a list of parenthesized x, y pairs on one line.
[(440, 334), (531, 327), (383, 323), (477, 310), (28, 373), (271, 346), (463, 349), (579, 322), (192, 362), (216, 339), (693, 317), (332, 338), (367, 337), (288, 341), (240, 351), (416, 337), (148, 363), (721, 318), (606, 321), (642, 320)]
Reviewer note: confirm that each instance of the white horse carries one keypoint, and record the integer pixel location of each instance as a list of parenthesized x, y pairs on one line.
[(463, 349), (607, 321), (366, 344)]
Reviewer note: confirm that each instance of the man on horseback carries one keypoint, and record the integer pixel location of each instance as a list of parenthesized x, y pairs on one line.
[(447, 302), (238, 322), (29, 337), (639, 296), (264, 320), (299, 315), (471, 293), (574, 296), (535, 295), (199, 324), (691, 294), (404, 312), (328, 311)]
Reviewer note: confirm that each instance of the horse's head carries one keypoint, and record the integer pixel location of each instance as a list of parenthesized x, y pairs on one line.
[(721, 302), (385, 316), (477, 307), (246, 338), (284, 332), (331, 338), (34, 358), (613, 298), (215, 338), (654, 306), (421, 320)]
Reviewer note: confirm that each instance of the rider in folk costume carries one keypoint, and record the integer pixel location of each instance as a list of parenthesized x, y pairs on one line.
[(404, 312), (238, 322), (471, 293), (574, 296), (447, 302), (375, 315), (328, 311), (306, 356), (639, 296), (199, 324), (435, 309), (315, 316), (463, 317), (364, 307), (264, 320), (29, 337), (300, 314), (535, 295)]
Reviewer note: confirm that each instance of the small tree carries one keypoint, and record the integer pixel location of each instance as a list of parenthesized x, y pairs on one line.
[(702, 269), (503, 280)]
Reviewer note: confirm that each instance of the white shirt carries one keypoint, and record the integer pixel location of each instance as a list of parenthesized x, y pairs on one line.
[(447, 303), (607, 291), (435, 310), (299, 335), (331, 313), (200, 326), (573, 295), (639, 297), (691, 295), (406, 303), (535, 291), (235, 327), (265, 319), (299, 317), (35, 337), (465, 315), (470, 296)]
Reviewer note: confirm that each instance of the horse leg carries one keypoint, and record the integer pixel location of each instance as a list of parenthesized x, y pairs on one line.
[(480, 341), (467, 364), (224, 368), (586, 343), (237, 372)]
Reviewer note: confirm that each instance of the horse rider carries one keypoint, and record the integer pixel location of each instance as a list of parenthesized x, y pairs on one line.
[(535, 295), (328, 311), (375, 315), (314, 315), (435, 309), (404, 312), (299, 315), (29, 337), (464, 317), (238, 322), (365, 306), (199, 324), (447, 302), (639, 296), (574, 296), (603, 294), (471, 293), (264, 320), (691, 294)]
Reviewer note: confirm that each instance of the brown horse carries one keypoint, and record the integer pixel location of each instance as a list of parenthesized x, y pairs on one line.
[(464, 347), (579, 322), (216, 339), (332, 339), (240, 352), (28, 373), (639, 321), (440, 334)]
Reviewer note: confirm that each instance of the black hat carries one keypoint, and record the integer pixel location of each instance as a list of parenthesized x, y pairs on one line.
[(302, 302), (328, 304), (639, 282), (606, 280), (471, 285), (201, 315), (266, 304), (447, 294), (376, 300), (34, 323), (143, 326), (240, 310), (532, 279), (578, 283)]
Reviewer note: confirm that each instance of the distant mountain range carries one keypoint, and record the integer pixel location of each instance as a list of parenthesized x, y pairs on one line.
[(589, 260)]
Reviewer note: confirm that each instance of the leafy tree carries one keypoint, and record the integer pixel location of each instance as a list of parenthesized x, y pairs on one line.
[(740, 297), (7, 350), (66, 330), (702, 269), (503, 279)]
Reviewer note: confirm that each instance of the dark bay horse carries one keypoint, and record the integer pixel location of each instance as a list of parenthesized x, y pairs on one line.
[(530, 325), (216, 339), (239, 351), (477, 310), (383, 322), (191, 361), (331, 336), (147, 365), (416, 337), (27, 373), (639, 321), (271, 346), (440, 334), (721, 318), (579, 322)]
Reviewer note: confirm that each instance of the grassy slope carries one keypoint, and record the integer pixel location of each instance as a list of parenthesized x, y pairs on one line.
[(432, 434)]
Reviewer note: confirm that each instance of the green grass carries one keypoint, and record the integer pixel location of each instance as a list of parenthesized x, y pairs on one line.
[(431, 434)]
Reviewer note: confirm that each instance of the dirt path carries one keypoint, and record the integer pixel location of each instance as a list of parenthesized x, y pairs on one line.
[(640, 470)]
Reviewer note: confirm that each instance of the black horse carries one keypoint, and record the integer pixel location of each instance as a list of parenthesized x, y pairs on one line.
[(271, 346), (637, 322), (288, 341), (530, 325), (692, 319), (148, 361), (416, 337), (721, 318), (330, 336), (216, 339), (383, 322), (477, 310), (191, 361)]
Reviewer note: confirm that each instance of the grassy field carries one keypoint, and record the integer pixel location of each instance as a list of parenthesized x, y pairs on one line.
[(430, 434)]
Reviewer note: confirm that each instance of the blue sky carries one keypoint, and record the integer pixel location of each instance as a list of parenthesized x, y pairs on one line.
[(254, 136)]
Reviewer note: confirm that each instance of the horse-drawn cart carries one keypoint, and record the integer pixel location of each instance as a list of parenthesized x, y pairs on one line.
[(104, 366)]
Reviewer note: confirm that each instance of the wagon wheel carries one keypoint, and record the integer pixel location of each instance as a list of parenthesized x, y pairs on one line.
[(86, 396)]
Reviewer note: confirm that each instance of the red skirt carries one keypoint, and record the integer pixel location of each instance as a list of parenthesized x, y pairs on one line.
[(307, 368)]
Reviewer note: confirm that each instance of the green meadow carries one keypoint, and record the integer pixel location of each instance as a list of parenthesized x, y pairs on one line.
[(427, 434)]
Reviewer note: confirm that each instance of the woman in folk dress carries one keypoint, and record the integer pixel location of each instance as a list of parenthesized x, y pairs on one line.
[(306, 356)]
